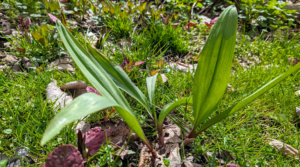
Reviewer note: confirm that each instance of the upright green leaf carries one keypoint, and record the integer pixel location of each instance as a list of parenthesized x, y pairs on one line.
[(84, 105), (171, 106), (151, 88), (121, 79), (91, 68), (214, 65), (248, 99)]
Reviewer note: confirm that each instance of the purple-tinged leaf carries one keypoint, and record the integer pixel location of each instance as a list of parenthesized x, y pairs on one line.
[(92, 90), (125, 62), (175, 24), (214, 20), (294, 60), (64, 156), (164, 19), (27, 23), (94, 138), (53, 18), (139, 63)]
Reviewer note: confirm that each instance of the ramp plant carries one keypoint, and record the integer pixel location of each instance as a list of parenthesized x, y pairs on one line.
[(210, 82)]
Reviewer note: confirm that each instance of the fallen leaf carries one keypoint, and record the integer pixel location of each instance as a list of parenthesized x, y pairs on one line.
[(145, 157), (164, 78), (55, 94), (174, 156), (152, 73), (286, 149), (188, 25), (63, 64), (160, 63), (76, 88), (74, 85)]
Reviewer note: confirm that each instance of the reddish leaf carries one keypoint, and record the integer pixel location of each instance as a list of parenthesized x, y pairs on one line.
[(139, 63), (125, 62), (208, 24), (27, 23), (214, 20), (188, 25), (91, 89), (94, 138), (63, 17), (175, 24), (53, 18), (64, 156)]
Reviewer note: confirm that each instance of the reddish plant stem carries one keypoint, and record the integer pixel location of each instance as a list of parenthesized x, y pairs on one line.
[(151, 149)]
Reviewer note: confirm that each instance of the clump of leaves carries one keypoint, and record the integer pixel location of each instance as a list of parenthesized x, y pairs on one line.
[(257, 15)]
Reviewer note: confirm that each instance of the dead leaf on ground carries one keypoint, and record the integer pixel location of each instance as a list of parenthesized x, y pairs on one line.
[(63, 64), (83, 127), (145, 157), (286, 149), (55, 94), (184, 67), (119, 131), (76, 88)]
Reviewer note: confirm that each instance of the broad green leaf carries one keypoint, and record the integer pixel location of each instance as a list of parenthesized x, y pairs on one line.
[(3, 163), (214, 65), (121, 79), (171, 106), (54, 6), (91, 68), (151, 88), (44, 30), (84, 105), (41, 39), (248, 99)]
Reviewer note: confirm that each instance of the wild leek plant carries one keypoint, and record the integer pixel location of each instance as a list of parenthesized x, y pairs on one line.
[(211, 79)]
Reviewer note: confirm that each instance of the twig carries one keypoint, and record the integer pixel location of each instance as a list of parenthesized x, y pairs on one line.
[(192, 10)]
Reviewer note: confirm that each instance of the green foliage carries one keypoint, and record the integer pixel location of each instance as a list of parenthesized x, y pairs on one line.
[(257, 15), (104, 157), (175, 39)]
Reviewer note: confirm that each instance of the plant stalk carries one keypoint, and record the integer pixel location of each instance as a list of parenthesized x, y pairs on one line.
[(154, 154)]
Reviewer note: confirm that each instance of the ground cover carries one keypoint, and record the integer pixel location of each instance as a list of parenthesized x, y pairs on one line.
[(242, 138)]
